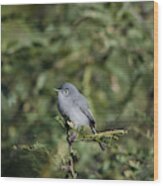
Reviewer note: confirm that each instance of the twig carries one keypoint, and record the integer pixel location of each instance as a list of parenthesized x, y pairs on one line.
[(71, 162), (102, 135)]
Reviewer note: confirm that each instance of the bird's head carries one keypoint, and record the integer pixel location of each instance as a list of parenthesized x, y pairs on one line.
[(67, 89)]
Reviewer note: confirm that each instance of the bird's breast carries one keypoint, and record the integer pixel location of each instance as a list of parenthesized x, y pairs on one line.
[(73, 112)]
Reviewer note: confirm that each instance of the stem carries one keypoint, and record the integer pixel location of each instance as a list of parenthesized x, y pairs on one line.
[(98, 136), (71, 162)]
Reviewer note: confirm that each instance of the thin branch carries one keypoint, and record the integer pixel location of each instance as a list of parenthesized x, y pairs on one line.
[(102, 136), (72, 156)]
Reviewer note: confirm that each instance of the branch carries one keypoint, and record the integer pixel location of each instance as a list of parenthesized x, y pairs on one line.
[(102, 136), (70, 167), (74, 135)]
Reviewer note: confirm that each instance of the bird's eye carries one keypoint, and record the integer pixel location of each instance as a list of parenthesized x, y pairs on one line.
[(66, 91)]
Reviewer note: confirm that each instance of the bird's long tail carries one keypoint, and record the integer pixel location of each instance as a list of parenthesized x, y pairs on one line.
[(95, 132)]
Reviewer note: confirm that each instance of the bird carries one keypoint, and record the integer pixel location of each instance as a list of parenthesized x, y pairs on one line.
[(74, 108)]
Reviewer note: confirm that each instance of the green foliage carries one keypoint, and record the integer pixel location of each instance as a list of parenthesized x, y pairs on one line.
[(106, 50)]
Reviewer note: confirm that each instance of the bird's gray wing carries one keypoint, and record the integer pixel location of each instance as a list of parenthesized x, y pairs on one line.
[(84, 107)]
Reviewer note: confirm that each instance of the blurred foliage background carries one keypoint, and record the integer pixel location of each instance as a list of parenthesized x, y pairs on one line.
[(106, 50)]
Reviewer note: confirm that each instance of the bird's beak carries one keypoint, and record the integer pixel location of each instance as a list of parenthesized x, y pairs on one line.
[(56, 89)]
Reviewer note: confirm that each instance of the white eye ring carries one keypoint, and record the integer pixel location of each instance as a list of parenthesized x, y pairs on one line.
[(66, 91)]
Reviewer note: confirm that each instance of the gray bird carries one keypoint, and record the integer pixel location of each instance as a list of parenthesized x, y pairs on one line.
[(74, 108)]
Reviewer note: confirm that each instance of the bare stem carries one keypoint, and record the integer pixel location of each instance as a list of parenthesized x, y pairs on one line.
[(71, 162)]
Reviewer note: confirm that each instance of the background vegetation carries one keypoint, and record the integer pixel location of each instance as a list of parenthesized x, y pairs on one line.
[(106, 50)]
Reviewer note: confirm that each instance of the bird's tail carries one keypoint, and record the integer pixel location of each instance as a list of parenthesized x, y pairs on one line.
[(95, 132)]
